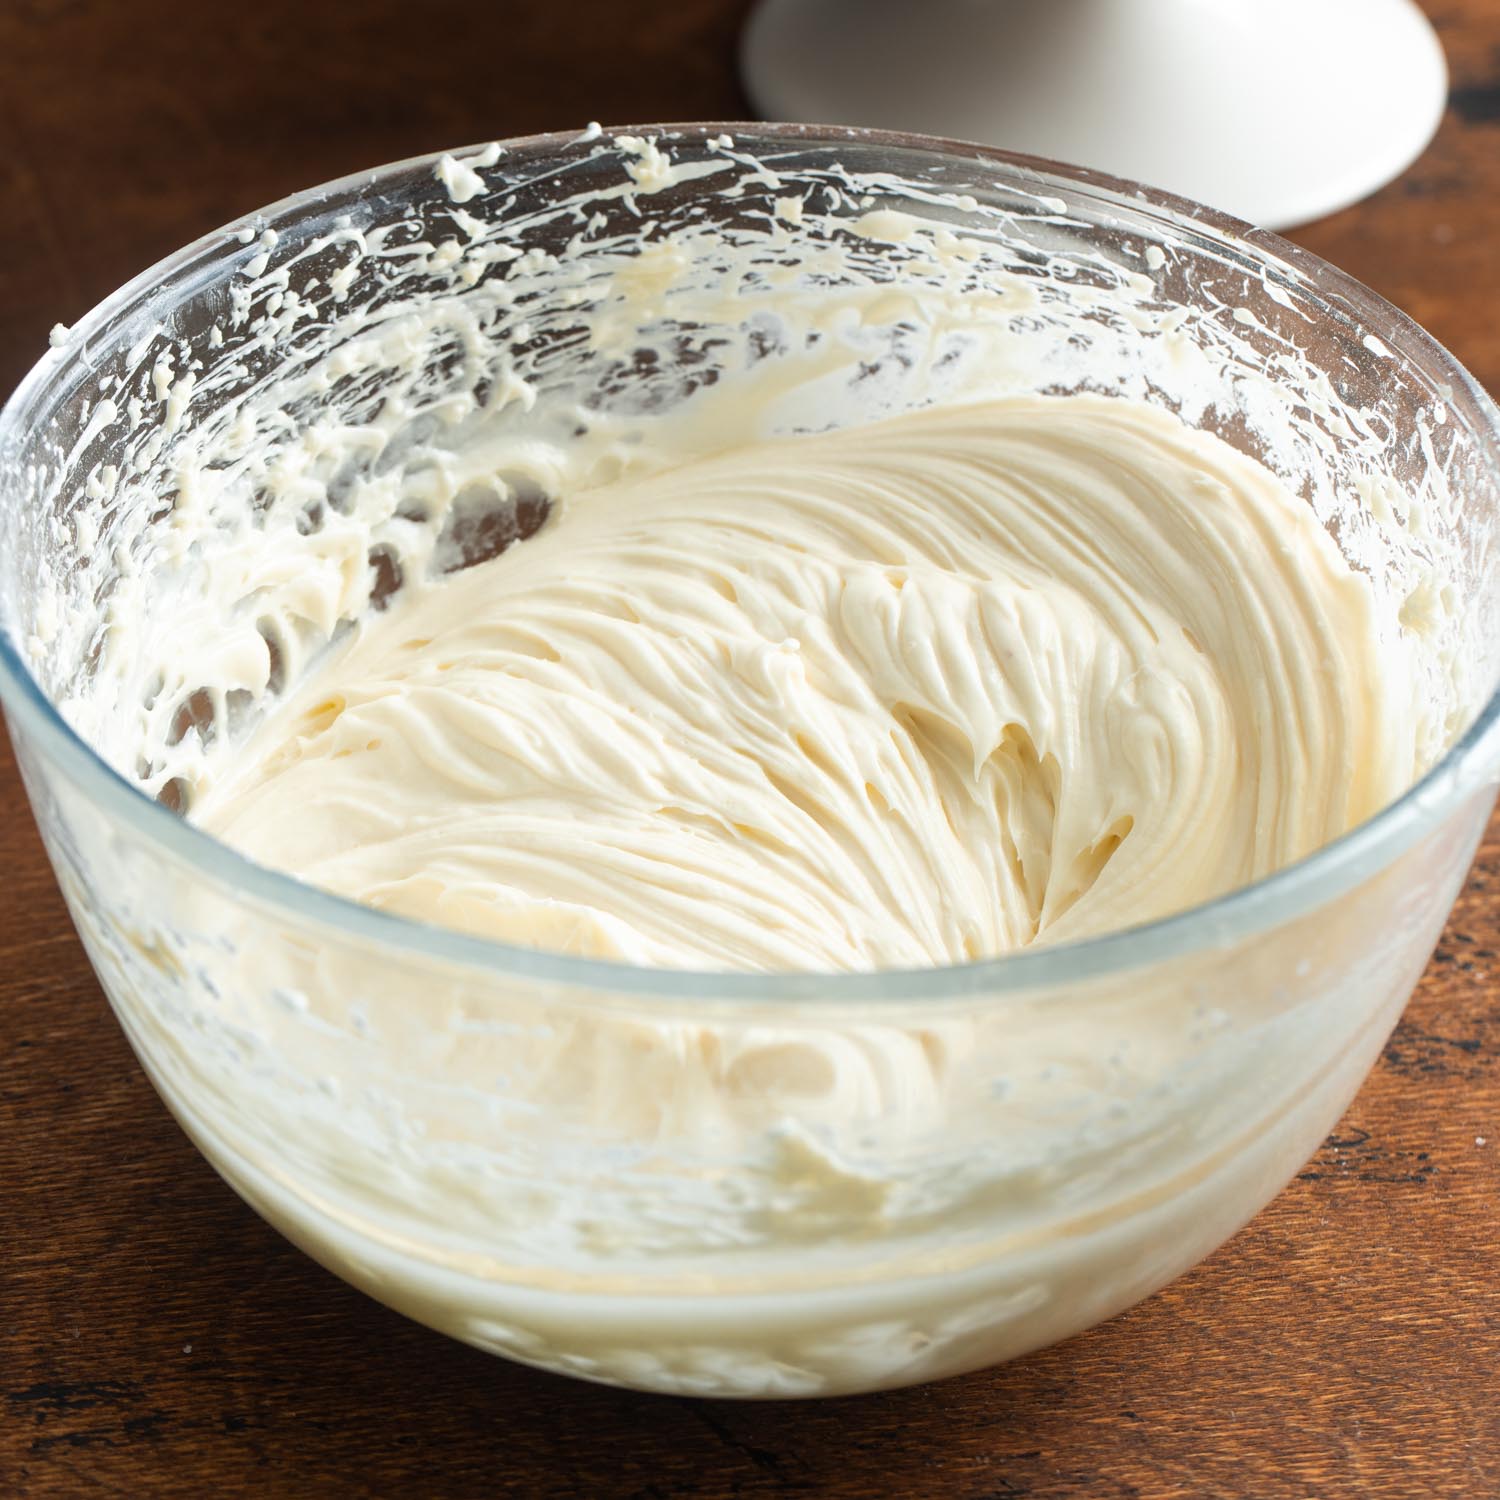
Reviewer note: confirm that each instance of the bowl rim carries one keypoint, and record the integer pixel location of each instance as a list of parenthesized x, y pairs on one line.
[(1471, 764)]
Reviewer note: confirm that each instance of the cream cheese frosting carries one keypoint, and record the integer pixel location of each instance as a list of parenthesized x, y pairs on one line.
[(979, 676), (848, 641), (909, 560)]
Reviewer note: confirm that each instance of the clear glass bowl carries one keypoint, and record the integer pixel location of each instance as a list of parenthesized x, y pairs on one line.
[(731, 1184)]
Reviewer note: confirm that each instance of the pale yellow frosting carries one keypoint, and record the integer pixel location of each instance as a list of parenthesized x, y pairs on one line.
[(910, 694)]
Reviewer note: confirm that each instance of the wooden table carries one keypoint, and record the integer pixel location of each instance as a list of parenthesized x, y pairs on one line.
[(156, 1339)]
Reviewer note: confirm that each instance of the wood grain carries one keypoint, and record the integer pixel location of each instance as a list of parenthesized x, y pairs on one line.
[(157, 1340)]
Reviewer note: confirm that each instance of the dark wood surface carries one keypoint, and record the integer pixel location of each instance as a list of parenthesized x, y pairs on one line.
[(157, 1339)]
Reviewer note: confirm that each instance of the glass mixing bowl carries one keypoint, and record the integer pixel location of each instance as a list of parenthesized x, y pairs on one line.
[(728, 1184)]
